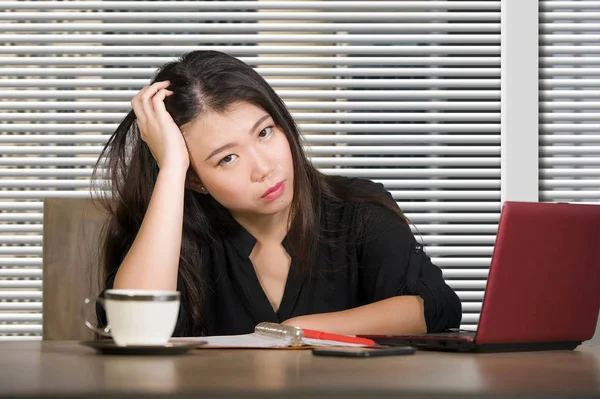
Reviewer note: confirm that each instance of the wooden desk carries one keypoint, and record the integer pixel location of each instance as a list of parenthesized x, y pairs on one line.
[(66, 369)]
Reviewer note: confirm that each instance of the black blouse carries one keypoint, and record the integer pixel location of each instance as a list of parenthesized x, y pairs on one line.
[(383, 260)]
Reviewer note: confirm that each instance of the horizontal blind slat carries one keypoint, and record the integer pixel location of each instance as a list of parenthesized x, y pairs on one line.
[(569, 83), (547, 5), (304, 117), (30, 251), (306, 127), (563, 49), (471, 95), (39, 183), (415, 217), (310, 150), (548, 27), (21, 328), (571, 194), (425, 228), (562, 71), (568, 60), (391, 16), (569, 105), (453, 217), (466, 285), (20, 306), (23, 206), (249, 38), (410, 207), (380, 27), (459, 251), (465, 273), (20, 318), (569, 138), (21, 284), (18, 239), (565, 183), (562, 38), (335, 60), (318, 162), (245, 50), (251, 5), (569, 16), (567, 161), (308, 139), (9, 261), (346, 72), (275, 83), (40, 194), (569, 149), (415, 194), (398, 172), (570, 172), (291, 105), (20, 295), (21, 272), (458, 239), (469, 295), (389, 184)]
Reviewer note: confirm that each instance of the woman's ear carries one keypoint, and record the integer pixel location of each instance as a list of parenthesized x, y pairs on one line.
[(192, 181)]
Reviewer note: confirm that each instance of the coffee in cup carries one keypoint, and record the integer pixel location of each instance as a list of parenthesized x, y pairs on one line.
[(138, 317)]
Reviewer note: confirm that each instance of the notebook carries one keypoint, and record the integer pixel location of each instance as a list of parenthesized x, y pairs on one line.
[(273, 335), (542, 288)]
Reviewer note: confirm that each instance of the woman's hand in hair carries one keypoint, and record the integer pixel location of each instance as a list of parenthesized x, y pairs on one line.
[(157, 128)]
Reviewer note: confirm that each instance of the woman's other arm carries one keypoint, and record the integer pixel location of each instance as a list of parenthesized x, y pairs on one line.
[(397, 315), (401, 290)]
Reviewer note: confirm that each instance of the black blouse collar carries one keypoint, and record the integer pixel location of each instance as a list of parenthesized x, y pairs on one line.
[(244, 242)]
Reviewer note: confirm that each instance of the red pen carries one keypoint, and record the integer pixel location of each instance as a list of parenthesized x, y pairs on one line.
[(337, 337)]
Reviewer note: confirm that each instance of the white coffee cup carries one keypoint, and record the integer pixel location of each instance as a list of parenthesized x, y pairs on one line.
[(138, 317)]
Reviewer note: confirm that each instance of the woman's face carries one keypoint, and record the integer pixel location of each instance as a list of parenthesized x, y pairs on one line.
[(242, 159)]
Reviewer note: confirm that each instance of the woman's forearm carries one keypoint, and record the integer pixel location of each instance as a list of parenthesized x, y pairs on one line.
[(397, 315), (153, 260)]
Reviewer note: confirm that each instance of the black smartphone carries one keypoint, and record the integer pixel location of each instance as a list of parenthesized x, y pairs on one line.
[(364, 351)]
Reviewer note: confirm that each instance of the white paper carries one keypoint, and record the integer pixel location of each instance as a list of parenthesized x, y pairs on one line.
[(260, 341)]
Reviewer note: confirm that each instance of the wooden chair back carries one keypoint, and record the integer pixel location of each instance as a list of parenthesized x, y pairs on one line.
[(71, 265)]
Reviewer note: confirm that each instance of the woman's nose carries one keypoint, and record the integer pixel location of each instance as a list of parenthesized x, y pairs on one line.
[(262, 166)]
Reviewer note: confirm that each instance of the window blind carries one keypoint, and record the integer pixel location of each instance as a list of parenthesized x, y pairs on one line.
[(569, 84), (401, 92)]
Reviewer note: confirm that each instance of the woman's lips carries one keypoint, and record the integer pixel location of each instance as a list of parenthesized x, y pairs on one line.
[(274, 192)]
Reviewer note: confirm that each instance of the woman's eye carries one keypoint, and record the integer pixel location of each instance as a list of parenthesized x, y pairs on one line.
[(228, 159), (266, 132)]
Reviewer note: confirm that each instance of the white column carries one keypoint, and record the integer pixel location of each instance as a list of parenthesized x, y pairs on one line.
[(519, 100)]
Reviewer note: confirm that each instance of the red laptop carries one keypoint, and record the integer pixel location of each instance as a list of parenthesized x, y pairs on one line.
[(543, 288)]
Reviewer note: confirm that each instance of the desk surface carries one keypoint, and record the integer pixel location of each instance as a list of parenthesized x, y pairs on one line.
[(65, 368)]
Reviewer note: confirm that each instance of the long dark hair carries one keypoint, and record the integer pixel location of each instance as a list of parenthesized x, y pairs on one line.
[(201, 81)]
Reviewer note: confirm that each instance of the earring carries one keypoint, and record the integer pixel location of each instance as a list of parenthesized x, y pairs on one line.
[(203, 190)]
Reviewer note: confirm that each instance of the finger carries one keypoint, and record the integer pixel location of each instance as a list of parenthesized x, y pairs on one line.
[(159, 105), (136, 104), (154, 88), (140, 94), (146, 99)]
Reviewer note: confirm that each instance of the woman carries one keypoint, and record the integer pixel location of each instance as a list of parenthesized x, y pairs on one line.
[(213, 195)]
